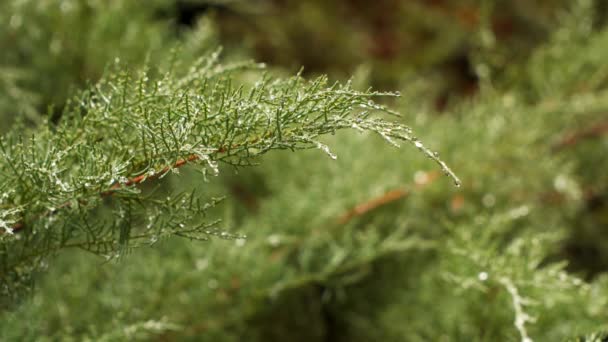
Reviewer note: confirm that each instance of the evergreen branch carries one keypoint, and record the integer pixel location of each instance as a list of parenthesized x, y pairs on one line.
[(521, 317), (142, 178), (116, 186), (414, 243), (600, 336), (126, 130), (391, 196), (326, 277), (140, 330)]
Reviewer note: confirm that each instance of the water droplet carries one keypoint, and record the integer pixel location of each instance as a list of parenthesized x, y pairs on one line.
[(488, 200), (274, 240), (16, 21), (355, 126), (519, 212), (201, 264), (421, 177), (325, 149)]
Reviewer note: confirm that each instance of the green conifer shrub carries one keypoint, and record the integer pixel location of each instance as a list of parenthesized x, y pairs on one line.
[(374, 245)]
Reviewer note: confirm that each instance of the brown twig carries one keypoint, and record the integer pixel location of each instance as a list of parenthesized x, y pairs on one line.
[(574, 138), (387, 198), (141, 178), (363, 208), (130, 182), (422, 180)]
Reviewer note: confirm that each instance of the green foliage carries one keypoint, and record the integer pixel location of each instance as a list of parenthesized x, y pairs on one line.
[(51, 46), (410, 37), (366, 247), (130, 129)]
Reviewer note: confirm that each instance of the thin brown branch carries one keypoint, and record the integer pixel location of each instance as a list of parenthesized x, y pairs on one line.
[(144, 177), (130, 182), (365, 207), (137, 180), (387, 198), (595, 131)]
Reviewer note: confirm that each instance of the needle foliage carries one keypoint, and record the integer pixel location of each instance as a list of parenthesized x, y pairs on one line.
[(214, 164)]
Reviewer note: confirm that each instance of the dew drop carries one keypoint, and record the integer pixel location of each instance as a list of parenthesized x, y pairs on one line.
[(16, 21), (201, 264), (421, 177), (488, 200), (325, 149), (274, 240)]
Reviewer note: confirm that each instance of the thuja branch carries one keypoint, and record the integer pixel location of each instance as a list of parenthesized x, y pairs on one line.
[(109, 131), (423, 179), (130, 182), (128, 129)]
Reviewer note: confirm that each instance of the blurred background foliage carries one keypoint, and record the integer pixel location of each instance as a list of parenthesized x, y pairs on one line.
[(373, 246)]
